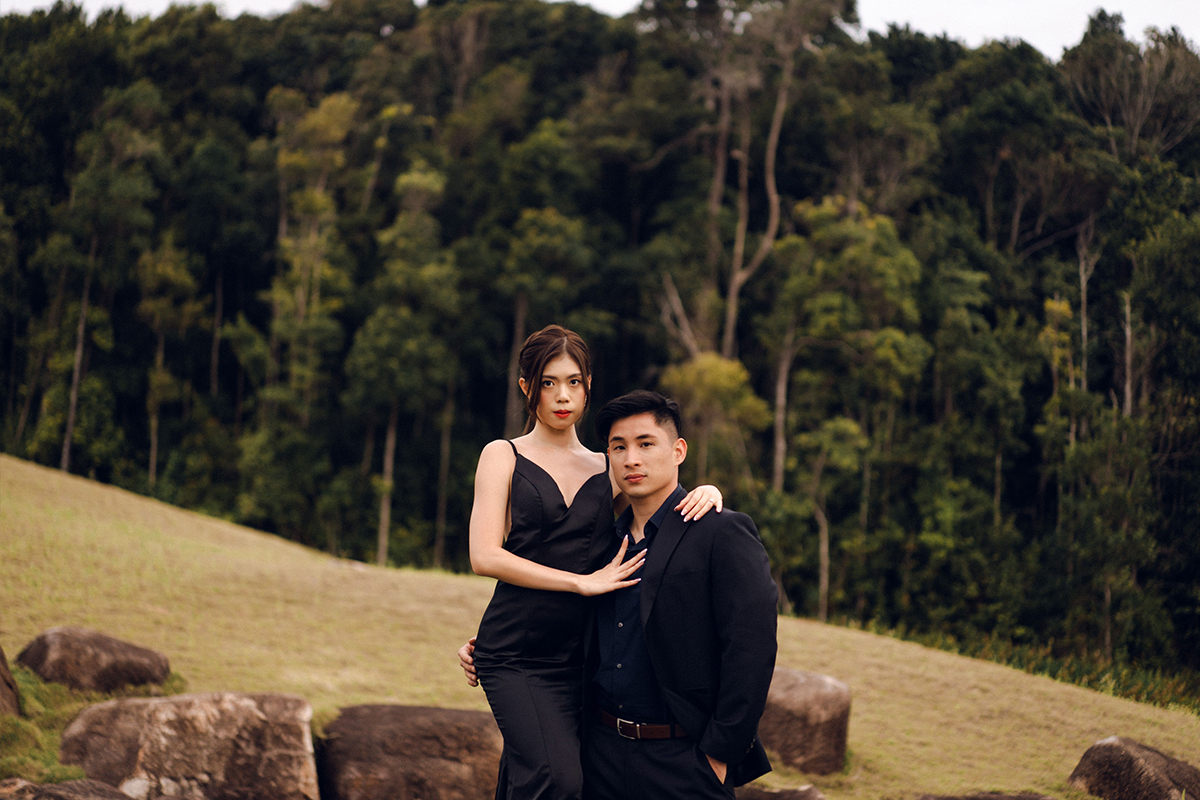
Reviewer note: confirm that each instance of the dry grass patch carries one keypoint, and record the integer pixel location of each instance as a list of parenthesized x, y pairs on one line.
[(924, 720), (231, 607), (236, 609)]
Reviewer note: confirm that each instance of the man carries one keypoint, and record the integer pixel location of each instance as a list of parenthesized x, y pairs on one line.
[(679, 665)]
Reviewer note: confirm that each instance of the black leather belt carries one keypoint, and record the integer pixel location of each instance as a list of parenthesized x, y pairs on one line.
[(642, 730)]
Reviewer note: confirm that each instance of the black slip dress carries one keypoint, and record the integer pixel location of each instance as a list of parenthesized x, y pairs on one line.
[(529, 649)]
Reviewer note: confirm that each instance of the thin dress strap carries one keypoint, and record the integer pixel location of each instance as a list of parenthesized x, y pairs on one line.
[(514, 447)]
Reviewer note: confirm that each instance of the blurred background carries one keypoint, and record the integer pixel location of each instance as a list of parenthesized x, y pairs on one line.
[(928, 292)]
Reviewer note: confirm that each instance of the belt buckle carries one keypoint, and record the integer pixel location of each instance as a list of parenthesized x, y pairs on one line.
[(636, 728)]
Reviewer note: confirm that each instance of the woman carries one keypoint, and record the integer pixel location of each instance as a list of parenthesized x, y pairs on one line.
[(542, 525)]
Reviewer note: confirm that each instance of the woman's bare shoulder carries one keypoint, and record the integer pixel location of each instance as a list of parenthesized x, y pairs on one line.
[(497, 453)]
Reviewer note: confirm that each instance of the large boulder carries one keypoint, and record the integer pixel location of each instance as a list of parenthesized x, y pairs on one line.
[(10, 695), (217, 746), (89, 660), (752, 792), (1117, 768), (807, 721), (17, 789), (389, 752)]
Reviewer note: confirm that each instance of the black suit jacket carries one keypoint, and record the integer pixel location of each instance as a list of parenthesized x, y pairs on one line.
[(708, 607)]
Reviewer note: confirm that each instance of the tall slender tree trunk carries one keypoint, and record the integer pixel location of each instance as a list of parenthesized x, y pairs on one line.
[(238, 398), (1127, 410), (1087, 266), (854, 182), (823, 557), (281, 224), (998, 485), (736, 276), (783, 374), (311, 285), (1108, 643), (989, 202), (818, 501), (1058, 524), (155, 402), (1014, 228), (266, 409), (702, 322), (11, 401), (35, 378), (675, 317), (472, 29), (385, 502), (443, 485), (376, 164), (885, 492), (514, 407), (77, 372), (716, 191), (864, 516), (215, 352), (864, 505), (368, 447)]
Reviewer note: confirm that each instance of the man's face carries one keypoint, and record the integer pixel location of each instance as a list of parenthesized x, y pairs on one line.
[(645, 456)]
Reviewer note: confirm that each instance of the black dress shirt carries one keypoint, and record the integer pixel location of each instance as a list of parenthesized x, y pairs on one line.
[(625, 682)]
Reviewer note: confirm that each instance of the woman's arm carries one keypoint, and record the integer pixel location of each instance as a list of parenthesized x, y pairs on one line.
[(490, 520), (699, 501)]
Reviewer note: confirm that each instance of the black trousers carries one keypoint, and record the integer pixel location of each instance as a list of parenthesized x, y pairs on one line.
[(616, 768), (538, 711)]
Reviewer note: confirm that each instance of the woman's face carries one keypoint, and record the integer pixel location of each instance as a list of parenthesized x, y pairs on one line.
[(562, 393)]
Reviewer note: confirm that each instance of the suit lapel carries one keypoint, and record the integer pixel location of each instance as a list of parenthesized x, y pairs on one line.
[(665, 542)]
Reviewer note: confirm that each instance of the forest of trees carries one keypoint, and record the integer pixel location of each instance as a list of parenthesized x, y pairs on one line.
[(933, 312)]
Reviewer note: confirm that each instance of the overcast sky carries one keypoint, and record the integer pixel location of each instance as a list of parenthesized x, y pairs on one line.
[(1049, 25)]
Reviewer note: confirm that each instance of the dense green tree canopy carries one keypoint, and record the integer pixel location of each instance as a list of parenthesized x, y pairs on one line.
[(933, 311)]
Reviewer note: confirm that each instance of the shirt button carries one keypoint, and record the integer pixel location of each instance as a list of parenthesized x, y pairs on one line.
[(618, 666), (620, 624)]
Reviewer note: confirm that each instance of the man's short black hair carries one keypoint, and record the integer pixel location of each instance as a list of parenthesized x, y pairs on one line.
[(665, 411)]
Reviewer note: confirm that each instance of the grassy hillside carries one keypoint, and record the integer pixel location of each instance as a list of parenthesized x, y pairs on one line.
[(240, 610)]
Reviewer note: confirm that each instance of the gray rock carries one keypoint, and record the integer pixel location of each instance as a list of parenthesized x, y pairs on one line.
[(89, 660), (389, 752), (807, 721), (10, 695), (217, 746), (1117, 768), (17, 789), (752, 792)]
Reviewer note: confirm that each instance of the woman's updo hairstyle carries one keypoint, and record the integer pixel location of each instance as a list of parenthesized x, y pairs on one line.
[(543, 347)]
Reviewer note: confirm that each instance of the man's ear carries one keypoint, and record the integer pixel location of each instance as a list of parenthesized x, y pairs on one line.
[(680, 451)]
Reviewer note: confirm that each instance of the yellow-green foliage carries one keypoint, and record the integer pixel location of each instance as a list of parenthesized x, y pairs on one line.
[(242, 611)]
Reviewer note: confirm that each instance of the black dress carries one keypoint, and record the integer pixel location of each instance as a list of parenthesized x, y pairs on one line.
[(529, 649)]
